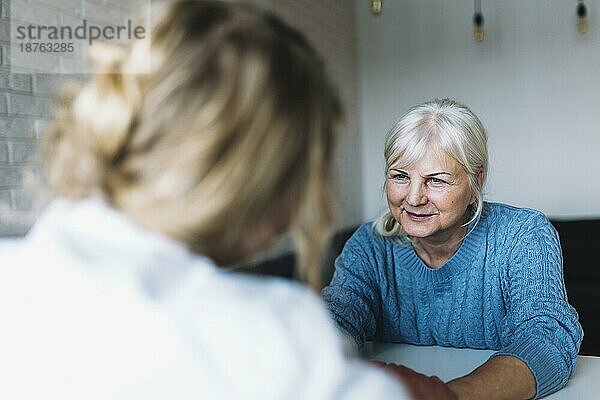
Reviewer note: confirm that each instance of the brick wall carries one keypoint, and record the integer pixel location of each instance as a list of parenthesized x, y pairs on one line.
[(26, 100), (22, 112), (29, 100)]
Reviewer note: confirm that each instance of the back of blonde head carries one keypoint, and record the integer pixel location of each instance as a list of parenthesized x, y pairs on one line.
[(234, 121)]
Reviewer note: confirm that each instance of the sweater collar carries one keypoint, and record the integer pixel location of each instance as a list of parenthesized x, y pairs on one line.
[(462, 258)]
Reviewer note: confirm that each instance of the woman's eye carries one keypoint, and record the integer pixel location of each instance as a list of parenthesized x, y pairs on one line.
[(436, 182), (398, 177)]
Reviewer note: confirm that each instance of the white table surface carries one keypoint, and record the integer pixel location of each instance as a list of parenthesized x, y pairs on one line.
[(449, 363)]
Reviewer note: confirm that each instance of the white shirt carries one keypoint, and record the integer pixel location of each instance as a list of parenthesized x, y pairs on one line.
[(94, 307)]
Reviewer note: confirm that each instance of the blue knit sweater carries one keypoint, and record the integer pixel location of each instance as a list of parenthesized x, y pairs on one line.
[(503, 290)]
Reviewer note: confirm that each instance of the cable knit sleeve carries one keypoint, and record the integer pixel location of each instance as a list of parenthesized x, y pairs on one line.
[(540, 327), (353, 295)]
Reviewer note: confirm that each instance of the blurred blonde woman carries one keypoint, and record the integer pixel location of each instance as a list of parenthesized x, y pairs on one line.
[(157, 179)]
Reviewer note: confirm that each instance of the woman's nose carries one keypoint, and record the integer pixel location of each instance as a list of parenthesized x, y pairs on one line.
[(416, 195)]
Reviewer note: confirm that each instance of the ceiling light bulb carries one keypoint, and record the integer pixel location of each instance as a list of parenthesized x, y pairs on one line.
[(478, 33), (376, 7)]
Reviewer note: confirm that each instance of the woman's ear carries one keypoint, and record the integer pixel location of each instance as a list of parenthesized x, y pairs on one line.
[(480, 177)]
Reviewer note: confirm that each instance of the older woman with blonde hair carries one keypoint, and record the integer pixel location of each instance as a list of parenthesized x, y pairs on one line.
[(158, 180), (443, 267)]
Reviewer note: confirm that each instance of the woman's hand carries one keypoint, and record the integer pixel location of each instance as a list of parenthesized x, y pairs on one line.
[(420, 387)]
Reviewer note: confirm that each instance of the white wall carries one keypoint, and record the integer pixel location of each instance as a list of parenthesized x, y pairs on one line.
[(534, 83)]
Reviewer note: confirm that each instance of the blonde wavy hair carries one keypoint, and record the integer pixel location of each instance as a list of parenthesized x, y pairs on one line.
[(456, 130), (232, 127)]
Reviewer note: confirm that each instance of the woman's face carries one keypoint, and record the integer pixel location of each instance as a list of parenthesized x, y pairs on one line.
[(429, 198)]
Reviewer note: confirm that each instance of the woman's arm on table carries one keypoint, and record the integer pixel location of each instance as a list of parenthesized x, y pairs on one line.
[(502, 377), (353, 295), (540, 333)]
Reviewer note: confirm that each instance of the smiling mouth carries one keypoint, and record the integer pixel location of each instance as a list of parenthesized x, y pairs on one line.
[(417, 216)]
